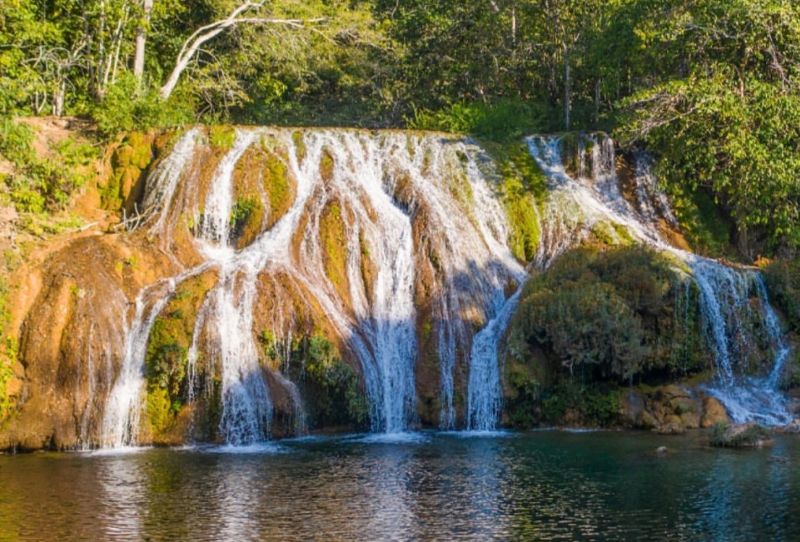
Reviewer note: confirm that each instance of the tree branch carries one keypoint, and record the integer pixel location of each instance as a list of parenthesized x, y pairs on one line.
[(210, 31)]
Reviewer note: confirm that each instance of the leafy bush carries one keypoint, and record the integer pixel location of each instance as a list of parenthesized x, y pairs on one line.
[(737, 141), (502, 120), (783, 282), (745, 436), (41, 184), (591, 405), (613, 314), (124, 108), (15, 141)]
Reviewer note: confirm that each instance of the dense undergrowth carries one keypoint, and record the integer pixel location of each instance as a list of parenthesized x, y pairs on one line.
[(597, 319)]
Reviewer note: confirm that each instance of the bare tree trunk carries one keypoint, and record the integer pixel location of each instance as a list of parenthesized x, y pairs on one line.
[(58, 98), (513, 25), (114, 48), (141, 40), (567, 90), (210, 31), (597, 102)]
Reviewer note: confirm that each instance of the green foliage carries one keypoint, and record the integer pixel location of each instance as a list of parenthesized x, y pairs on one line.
[(613, 314), (749, 436), (41, 184), (8, 350), (501, 121), (126, 109), (332, 389), (738, 141), (783, 282), (16, 141), (593, 405), (726, 123), (706, 227)]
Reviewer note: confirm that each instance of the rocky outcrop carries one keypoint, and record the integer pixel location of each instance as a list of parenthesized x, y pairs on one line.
[(747, 435), (671, 409), (71, 340)]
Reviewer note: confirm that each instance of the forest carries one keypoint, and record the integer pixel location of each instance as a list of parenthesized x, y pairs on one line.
[(710, 87)]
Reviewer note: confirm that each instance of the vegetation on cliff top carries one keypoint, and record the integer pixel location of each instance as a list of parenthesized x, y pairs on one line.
[(711, 88)]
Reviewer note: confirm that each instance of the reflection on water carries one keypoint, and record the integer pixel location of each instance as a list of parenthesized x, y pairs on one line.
[(543, 485)]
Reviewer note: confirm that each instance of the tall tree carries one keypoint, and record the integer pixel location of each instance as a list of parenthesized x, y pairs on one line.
[(141, 40)]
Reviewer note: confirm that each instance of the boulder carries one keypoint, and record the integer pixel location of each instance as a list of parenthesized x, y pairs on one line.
[(713, 413), (748, 435)]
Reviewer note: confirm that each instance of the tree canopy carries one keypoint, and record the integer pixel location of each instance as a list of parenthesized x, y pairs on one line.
[(710, 87)]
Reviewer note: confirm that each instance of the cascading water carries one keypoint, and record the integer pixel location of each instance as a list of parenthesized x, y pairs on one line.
[(404, 203), (577, 206), (123, 408)]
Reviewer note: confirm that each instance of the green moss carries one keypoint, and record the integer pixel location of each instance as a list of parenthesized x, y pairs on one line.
[(326, 165), (168, 345), (522, 186), (334, 242), (246, 217), (299, 145), (332, 389), (623, 234), (603, 232), (128, 163), (277, 185), (221, 137), (461, 189)]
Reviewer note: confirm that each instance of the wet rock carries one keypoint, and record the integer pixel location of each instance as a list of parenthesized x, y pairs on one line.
[(713, 413), (748, 435), (662, 450), (671, 426), (670, 409), (792, 428)]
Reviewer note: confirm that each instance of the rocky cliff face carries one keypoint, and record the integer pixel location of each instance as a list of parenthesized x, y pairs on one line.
[(266, 282)]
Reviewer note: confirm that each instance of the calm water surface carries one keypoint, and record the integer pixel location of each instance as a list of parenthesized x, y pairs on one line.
[(535, 486)]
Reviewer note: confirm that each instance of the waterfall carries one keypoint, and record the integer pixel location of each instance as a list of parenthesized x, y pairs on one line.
[(484, 404), (578, 205), (398, 207), (396, 245), (123, 408)]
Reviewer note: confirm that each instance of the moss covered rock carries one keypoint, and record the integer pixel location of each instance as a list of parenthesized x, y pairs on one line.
[(166, 357)]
